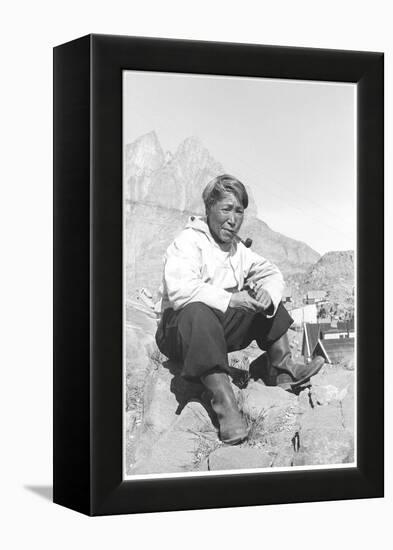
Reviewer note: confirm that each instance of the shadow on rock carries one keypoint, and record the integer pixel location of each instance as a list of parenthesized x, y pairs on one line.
[(240, 377), (184, 390), (260, 371)]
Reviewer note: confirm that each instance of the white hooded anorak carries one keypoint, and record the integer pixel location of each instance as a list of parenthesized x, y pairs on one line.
[(197, 270)]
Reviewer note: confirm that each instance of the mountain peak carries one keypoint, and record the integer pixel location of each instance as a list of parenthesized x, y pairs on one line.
[(148, 140), (191, 143), (144, 155), (337, 255), (193, 157)]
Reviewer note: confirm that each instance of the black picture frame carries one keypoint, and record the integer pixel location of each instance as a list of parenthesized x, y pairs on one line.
[(88, 274)]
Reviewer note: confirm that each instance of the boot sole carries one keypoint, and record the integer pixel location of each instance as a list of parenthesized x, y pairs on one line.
[(235, 440)]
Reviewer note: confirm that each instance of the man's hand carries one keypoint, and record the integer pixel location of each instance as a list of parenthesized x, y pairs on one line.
[(263, 297), (242, 300)]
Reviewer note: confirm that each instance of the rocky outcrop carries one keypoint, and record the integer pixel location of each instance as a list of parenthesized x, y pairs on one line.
[(326, 430), (290, 255), (323, 439), (334, 272), (235, 458), (171, 428), (332, 266)]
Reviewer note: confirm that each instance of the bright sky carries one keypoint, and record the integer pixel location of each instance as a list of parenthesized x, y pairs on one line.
[(291, 142)]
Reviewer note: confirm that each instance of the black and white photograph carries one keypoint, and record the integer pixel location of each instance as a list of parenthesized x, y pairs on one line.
[(239, 292), (214, 166)]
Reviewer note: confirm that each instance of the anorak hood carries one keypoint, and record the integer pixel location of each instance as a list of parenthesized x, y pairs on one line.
[(199, 223)]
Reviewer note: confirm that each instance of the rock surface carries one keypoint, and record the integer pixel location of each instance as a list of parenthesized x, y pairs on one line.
[(323, 438), (235, 458), (174, 452), (170, 427)]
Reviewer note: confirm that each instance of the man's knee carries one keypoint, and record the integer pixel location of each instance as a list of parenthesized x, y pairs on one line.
[(269, 330), (200, 314), (196, 309)]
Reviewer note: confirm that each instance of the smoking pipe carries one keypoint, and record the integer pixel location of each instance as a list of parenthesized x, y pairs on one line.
[(247, 242)]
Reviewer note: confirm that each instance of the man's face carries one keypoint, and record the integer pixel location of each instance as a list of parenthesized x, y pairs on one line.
[(225, 218)]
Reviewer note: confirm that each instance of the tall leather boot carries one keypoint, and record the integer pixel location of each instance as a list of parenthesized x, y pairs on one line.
[(290, 375), (233, 427)]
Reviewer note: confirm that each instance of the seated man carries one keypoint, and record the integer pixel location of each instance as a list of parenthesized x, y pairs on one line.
[(218, 297)]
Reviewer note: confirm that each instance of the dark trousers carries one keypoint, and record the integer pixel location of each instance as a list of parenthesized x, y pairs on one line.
[(201, 337)]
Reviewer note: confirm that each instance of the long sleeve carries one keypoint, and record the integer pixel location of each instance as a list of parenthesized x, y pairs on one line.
[(183, 276), (265, 274)]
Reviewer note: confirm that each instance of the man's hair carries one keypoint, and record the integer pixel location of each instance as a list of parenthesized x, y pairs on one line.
[(225, 183)]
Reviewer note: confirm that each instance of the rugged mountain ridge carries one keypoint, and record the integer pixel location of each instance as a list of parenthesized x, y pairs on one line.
[(332, 268), (334, 273), (163, 189)]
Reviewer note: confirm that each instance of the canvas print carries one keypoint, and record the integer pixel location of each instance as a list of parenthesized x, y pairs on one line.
[(239, 279)]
